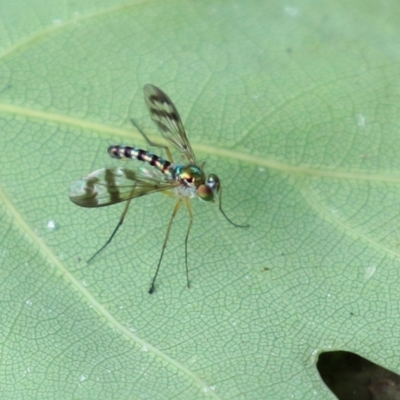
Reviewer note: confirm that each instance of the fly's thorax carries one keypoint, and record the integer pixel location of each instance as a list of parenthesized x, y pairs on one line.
[(209, 190), (190, 178), (190, 175)]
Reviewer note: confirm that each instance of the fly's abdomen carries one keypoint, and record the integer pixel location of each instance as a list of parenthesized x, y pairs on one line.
[(134, 153)]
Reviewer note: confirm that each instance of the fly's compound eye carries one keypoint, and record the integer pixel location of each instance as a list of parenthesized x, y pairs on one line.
[(205, 193), (209, 190)]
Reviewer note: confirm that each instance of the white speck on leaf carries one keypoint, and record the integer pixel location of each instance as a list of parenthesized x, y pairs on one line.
[(51, 225), (291, 11), (208, 389), (361, 120), (369, 272)]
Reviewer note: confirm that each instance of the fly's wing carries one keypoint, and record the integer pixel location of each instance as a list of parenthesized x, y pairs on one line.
[(108, 186), (165, 116)]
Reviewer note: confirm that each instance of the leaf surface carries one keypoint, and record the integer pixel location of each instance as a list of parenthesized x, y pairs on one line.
[(295, 107)]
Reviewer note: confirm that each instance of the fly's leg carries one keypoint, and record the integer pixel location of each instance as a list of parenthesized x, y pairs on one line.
[(150, 143), (176, 209), (121, 220), (189, 208)]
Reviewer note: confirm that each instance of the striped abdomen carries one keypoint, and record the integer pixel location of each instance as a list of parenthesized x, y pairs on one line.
[(135, 153)]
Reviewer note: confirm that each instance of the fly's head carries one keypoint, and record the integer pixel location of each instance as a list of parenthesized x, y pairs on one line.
[(209, 189), (193, 180)]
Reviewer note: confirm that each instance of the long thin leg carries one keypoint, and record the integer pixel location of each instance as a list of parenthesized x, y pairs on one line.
[(223, 212), (121, 220), (150, 143), (176, 209), (189, 208)]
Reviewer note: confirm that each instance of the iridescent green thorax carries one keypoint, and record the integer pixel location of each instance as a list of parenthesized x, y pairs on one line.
[(189, 175)]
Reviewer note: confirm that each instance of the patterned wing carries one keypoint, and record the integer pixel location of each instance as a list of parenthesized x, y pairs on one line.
[(108, 186), (165, 116)]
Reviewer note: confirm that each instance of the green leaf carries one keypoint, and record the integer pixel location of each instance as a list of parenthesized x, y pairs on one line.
[(295, 107)]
